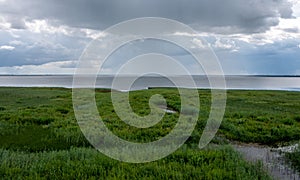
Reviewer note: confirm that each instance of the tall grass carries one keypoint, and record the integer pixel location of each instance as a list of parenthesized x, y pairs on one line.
[(85, 163)]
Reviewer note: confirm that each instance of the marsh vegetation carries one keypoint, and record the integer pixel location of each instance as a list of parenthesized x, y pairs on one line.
[(40, 137)]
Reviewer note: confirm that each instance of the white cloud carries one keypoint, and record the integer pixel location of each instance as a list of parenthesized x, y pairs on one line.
[(47, 27), (186, 34), (60, 67), (43, 26), (93, 34), (16, 43), (9, 48), (296, 7), (4, 24), (225, 44), (198, 43)]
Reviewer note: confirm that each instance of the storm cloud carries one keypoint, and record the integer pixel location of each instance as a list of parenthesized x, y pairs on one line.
[(249, 37), (231, 16)]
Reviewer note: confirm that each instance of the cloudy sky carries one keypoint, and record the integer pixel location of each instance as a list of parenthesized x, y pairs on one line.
[(249, 37)]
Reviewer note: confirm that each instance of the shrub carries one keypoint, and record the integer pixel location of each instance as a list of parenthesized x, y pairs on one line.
[(297, 118), (288, 121), (62, 110)]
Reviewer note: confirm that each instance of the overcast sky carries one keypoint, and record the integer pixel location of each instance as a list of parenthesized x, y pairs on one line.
[(249, 37)]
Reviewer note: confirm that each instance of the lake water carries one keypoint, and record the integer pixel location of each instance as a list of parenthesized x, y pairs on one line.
[(232, 82)]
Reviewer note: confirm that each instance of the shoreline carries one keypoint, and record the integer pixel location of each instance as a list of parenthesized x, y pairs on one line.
[(149, 88)]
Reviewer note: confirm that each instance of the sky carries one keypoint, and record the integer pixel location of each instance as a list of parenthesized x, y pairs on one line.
[(254, 37)]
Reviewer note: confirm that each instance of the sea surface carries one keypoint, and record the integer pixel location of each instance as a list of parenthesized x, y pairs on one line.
[(289, 83)]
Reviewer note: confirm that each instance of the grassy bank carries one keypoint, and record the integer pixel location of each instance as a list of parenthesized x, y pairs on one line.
[(39, 136), (294, 158)]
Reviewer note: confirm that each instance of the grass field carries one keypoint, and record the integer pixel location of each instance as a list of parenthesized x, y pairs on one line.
[(40, 137)]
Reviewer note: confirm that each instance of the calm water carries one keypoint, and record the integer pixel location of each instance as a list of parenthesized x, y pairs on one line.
[(232, 82)]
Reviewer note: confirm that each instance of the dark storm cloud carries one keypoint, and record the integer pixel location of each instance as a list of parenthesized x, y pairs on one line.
[(223, 16), (25, 41)]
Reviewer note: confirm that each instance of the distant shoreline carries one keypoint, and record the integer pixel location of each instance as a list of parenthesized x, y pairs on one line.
[(109, 75), (109, 89), (273, 83)]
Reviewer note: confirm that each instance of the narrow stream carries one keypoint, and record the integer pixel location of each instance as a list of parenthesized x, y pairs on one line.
[(167, 109), (272, 159)]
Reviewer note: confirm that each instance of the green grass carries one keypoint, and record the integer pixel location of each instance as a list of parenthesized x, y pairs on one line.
[(265, 117), (40, 137), (84, 163), (294, 158)]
